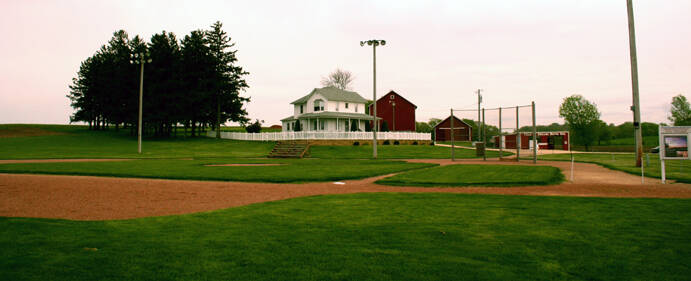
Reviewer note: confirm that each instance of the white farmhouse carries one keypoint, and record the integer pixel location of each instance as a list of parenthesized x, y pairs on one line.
[(328, 109)]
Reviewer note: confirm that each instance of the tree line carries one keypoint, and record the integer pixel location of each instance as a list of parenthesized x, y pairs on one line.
[(194, 82)]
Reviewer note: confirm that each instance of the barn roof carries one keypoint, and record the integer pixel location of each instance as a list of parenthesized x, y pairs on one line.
[(456, 118), (333, 94), (392, 91)]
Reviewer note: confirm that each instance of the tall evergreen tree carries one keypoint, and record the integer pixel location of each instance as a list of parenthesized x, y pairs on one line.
[(229, 78)]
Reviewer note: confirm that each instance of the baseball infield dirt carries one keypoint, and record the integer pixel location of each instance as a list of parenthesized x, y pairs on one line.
[(102, 198)]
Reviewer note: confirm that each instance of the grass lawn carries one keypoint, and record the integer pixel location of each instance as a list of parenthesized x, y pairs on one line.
[(477, 175), (459, 143), (380, 236), (78, 142), (679, 170), (292, 170), (393, 152)]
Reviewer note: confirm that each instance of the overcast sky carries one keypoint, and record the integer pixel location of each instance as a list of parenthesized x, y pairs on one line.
[(437, 53)]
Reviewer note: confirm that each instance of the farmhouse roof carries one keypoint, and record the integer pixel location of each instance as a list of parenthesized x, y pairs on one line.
[(333, 94)]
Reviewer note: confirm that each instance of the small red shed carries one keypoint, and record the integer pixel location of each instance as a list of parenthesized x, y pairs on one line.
[(462, 131), (397, 111), (545, 140)]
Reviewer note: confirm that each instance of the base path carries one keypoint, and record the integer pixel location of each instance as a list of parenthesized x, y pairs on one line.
[(103, 198)]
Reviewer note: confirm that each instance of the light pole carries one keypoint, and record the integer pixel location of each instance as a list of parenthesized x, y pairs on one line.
[(140, 58), (636, 107), (374, 43)]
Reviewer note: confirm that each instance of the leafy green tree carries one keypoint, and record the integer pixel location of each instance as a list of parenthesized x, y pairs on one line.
[(603, 132), (681, 111), (433, 122), (581, 116), (422, 127), (473, 127)]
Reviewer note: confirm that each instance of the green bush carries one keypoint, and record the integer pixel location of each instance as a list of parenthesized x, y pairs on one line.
[(357, 143), (386, 142)]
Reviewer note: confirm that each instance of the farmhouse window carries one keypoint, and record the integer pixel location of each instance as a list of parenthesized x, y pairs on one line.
[(346, 105), (318, 105), (356, 108), (301, 109), (288, 126)]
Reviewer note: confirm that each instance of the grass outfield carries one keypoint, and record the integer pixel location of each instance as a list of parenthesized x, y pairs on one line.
[(380, 236), (393, 152), (679, 170), (78, 142), (477, 175), (291, 170), (66, 141)]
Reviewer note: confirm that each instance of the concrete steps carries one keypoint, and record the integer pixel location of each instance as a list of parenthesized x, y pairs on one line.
[(289, 149)]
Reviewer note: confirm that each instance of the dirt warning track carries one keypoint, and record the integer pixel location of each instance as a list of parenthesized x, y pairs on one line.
[(103, 198)]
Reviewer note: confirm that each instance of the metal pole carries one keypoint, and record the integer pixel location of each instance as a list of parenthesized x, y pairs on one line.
[(518, 138), (535, 146), (661, 153), (374, 99), (501, 149), (479, 100), (393, 115), (484, 136), (453, 148), (141, 99), (634, 84)]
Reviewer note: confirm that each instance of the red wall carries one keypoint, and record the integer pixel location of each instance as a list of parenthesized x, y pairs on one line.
[(442, 132), (542, 139), (405, 112)]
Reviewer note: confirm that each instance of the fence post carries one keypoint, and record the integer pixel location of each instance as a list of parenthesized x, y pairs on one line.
[(452, 143)]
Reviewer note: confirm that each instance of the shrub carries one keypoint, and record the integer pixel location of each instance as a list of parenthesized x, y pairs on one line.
[(357, 143), (386, 142), (415, 143), (396, 143), (255, 127)]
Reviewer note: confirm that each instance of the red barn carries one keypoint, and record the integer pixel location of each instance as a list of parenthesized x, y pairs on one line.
[(398, 112), (461, 130)]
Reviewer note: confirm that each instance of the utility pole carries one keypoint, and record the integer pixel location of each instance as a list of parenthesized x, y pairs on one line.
[(479, 101), (374, 44), (636, 107)]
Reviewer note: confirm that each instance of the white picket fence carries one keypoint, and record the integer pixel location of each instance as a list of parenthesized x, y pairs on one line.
[(317, 135)]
